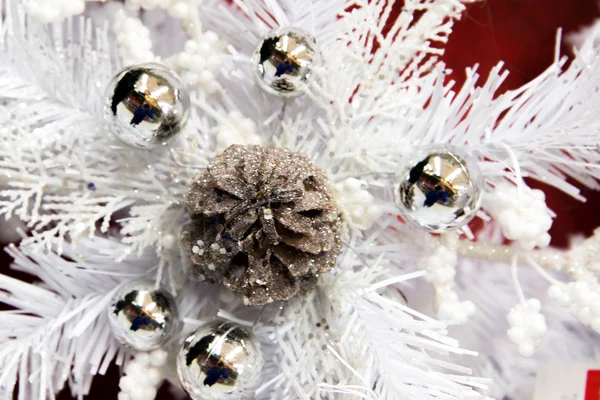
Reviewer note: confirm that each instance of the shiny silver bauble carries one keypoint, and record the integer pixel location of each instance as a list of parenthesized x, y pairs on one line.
[(143, 317), (146, 105), (220, 361), (439, 189), (284, 60)]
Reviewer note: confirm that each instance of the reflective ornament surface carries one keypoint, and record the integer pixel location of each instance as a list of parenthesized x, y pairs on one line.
[(284, 60), (219, 361), (146, 105), (141, 317), (439, 189)]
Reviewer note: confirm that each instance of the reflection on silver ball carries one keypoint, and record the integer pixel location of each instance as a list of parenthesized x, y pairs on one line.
[(141, 317), (439, 189), (146, 105), (284, 60), (220, 361)]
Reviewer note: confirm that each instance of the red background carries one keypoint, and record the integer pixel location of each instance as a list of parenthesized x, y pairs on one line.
[(522, 33), (592, 388)]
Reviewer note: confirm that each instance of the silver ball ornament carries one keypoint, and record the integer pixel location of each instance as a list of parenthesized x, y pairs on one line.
[(284, 60), (220, 361), (439, 189), (142, 317), (146, 105)]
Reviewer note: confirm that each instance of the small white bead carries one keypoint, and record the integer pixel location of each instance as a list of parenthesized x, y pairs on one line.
[(190, 46), (158, 357), (154, 377), (123, 396), (184, 60), (574, 309), (211, 37), (534, 305), (134, 369), (168, 241), (126, 383), (198, 62), (585, 315), (469, 307), (143, 359), (179, 10), (526, 349), (204, 48), (140, 394), (517, 335), (205, 77), (555, 292), (213, 63)]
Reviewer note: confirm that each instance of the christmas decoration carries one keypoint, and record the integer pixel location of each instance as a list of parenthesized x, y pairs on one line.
[(146, 105), (528, 326), (284, 60), (522, 214), (220, 360), (96, 215), (143, 317), (199, 63), (439, 189), (143, 376), (263, 223)]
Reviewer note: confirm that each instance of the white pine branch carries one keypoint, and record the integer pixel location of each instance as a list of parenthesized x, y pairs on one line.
[(58, 332)]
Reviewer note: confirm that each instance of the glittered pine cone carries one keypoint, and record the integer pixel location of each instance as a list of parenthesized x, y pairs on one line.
[(263, 223)]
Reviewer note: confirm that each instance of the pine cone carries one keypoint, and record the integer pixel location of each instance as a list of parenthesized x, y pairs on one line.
[(263, 223)]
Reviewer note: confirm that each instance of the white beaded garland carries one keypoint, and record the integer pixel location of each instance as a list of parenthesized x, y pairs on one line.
[(199, 61), (522, 213), (236, 130), (440, 262), (143, 376), (358, 204), (177, 8), (582, 297), (527, 326), (47, 11), (133, 39)]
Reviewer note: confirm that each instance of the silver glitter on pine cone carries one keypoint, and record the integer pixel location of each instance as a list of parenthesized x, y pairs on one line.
[(263, 224)]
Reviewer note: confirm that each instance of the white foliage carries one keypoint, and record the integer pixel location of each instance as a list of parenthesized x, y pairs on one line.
[(377, 97), (59, 331), (350, 341), (489, 286)]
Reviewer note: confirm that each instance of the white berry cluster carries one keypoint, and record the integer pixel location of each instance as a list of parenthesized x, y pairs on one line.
[(522, 214), (527, 326), (143, 376), (583, 299), (440, 264), (47, 11), (236, 130), (200, 61), (358, 204), (133, 39), (179, 9)]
